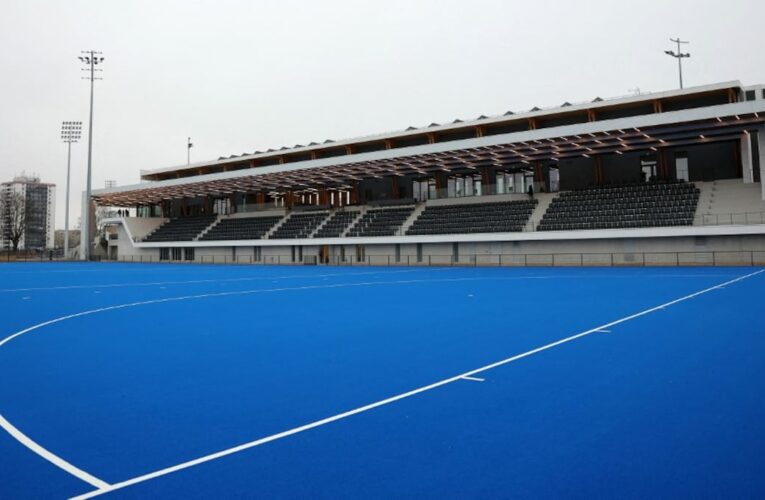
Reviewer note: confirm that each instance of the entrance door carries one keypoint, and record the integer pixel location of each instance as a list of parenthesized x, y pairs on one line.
[(324, 254)]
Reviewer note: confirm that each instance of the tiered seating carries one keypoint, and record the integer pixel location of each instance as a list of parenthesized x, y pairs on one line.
[(181, 229), (381, 221), (499, 217), (637, 205), (336, 224), (299, 225), (250, 228)]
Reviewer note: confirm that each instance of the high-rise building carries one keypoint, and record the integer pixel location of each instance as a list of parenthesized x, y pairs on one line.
[(31, 205)]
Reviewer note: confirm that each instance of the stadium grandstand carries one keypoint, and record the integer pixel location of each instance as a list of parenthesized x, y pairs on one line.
[(657, 175)]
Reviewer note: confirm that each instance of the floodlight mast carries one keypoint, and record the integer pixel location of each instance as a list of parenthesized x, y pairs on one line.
[(679, 56), (70, 132), (90, 58)]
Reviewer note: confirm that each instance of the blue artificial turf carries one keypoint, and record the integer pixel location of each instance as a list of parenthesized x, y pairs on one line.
[(666, 405)]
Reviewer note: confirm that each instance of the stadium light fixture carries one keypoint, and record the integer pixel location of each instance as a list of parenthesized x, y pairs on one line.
[(70, 133), (679, 55), (90, 59)]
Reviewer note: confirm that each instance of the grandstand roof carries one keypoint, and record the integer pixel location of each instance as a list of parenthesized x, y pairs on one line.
[(713, 113)]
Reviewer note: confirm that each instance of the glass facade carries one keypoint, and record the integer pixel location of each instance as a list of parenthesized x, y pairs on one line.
[(458, 186), (514, 182)]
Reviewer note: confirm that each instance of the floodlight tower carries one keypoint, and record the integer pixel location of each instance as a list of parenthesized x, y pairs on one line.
[(70, 133), (679, 56), (90, 59)]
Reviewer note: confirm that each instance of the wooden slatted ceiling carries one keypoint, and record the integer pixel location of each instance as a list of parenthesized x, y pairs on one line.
[(504, 155)]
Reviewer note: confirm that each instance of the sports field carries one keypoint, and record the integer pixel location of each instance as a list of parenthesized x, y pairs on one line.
[(192, 381)]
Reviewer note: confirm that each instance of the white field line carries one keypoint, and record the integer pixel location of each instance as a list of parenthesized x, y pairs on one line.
[(393, 399), (79, 473), (474, 379), (224, 294), (221, 280), (266, 278), (50, 457)]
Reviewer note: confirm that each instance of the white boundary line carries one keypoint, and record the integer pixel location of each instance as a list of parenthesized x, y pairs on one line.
[(222, 280), (237, 280), (474, 379), (368, 273), (393, 399), (231, 293), (36, 448), (50, 457)]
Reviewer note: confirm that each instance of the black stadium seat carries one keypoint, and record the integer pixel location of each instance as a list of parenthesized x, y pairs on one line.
[(336, 224), (299, 225), (241, 228), (496, 217), (181, 229), (629, 206), (381, 221)]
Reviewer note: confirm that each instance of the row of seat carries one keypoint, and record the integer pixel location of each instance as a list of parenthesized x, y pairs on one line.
[(381, 221), (616, 212), (180, 229), (628, 224), (639, 205), (663, 185), (336, 225), (508, 216), (299, 225), (630, 206), (249, 228)]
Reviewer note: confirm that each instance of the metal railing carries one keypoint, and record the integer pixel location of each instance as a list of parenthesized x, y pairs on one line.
[(730, 219), (725, 219), (50, 255), (622, 259)]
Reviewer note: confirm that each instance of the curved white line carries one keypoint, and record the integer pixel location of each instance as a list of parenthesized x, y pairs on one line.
[(242, 292), (222, 280), (79, 473), (64, 465), (237, 280), (50, 457), (383, 402)]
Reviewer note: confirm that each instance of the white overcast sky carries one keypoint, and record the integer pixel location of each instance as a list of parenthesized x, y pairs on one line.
[(238, 76)]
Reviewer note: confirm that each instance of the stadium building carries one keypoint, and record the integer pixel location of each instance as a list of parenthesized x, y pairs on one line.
[(662, 178)]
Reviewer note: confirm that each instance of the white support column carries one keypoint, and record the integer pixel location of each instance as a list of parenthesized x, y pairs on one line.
[(747, 164)]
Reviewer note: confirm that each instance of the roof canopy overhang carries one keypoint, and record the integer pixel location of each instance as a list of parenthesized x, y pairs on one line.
[(511, 155)]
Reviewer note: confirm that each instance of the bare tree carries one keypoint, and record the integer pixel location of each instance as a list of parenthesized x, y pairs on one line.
[(14, 214)]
